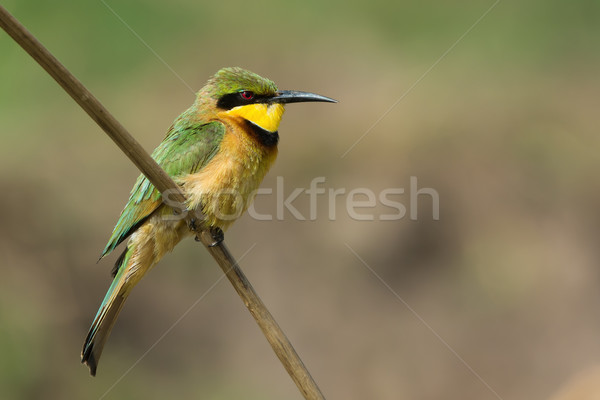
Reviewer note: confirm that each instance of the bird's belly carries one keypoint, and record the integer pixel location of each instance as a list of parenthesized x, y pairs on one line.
[(225, 187)]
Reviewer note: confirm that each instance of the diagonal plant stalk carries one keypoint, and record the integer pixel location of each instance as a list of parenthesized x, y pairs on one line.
[(161, 180)]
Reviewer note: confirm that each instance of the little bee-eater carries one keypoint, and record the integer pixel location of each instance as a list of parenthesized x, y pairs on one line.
[(219, 151)]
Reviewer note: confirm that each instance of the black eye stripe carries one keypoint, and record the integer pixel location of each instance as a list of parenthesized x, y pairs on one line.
[(231, 100)]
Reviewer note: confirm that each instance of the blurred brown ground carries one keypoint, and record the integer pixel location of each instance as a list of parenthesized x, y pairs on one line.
[(504, 128)]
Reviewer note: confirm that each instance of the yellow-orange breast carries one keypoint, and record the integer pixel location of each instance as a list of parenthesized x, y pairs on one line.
[(226, 186)]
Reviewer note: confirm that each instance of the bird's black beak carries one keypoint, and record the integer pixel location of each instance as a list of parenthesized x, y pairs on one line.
[(295, 96)]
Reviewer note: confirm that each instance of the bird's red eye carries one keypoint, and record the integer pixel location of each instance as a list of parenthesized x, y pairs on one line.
[(247, 95)]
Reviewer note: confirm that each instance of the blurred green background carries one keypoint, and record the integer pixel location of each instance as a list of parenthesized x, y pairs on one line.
[(504, 128)]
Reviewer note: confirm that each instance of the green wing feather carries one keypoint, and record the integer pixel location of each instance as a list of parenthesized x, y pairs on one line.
[(186, 149)]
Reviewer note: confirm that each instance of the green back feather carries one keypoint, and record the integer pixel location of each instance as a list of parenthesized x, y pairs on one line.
[(186, 149)]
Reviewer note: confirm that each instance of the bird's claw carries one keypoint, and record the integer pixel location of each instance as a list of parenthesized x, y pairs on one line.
[(192, 224), (217, 235)]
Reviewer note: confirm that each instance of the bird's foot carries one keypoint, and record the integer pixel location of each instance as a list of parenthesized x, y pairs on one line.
[(192, 224), (217, 235), (194, 219)]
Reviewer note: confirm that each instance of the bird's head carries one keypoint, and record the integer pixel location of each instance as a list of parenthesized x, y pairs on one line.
[(236, 92)]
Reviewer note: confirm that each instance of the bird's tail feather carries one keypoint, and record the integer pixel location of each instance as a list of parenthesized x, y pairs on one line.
[(106, 316)]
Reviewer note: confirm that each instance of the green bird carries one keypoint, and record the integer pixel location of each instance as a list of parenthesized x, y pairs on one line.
[(218, 151)]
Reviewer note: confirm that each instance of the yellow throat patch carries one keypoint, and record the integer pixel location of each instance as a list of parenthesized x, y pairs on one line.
[(267, 116)]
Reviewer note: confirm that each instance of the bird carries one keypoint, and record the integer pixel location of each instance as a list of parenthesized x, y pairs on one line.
[(218, 151)]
